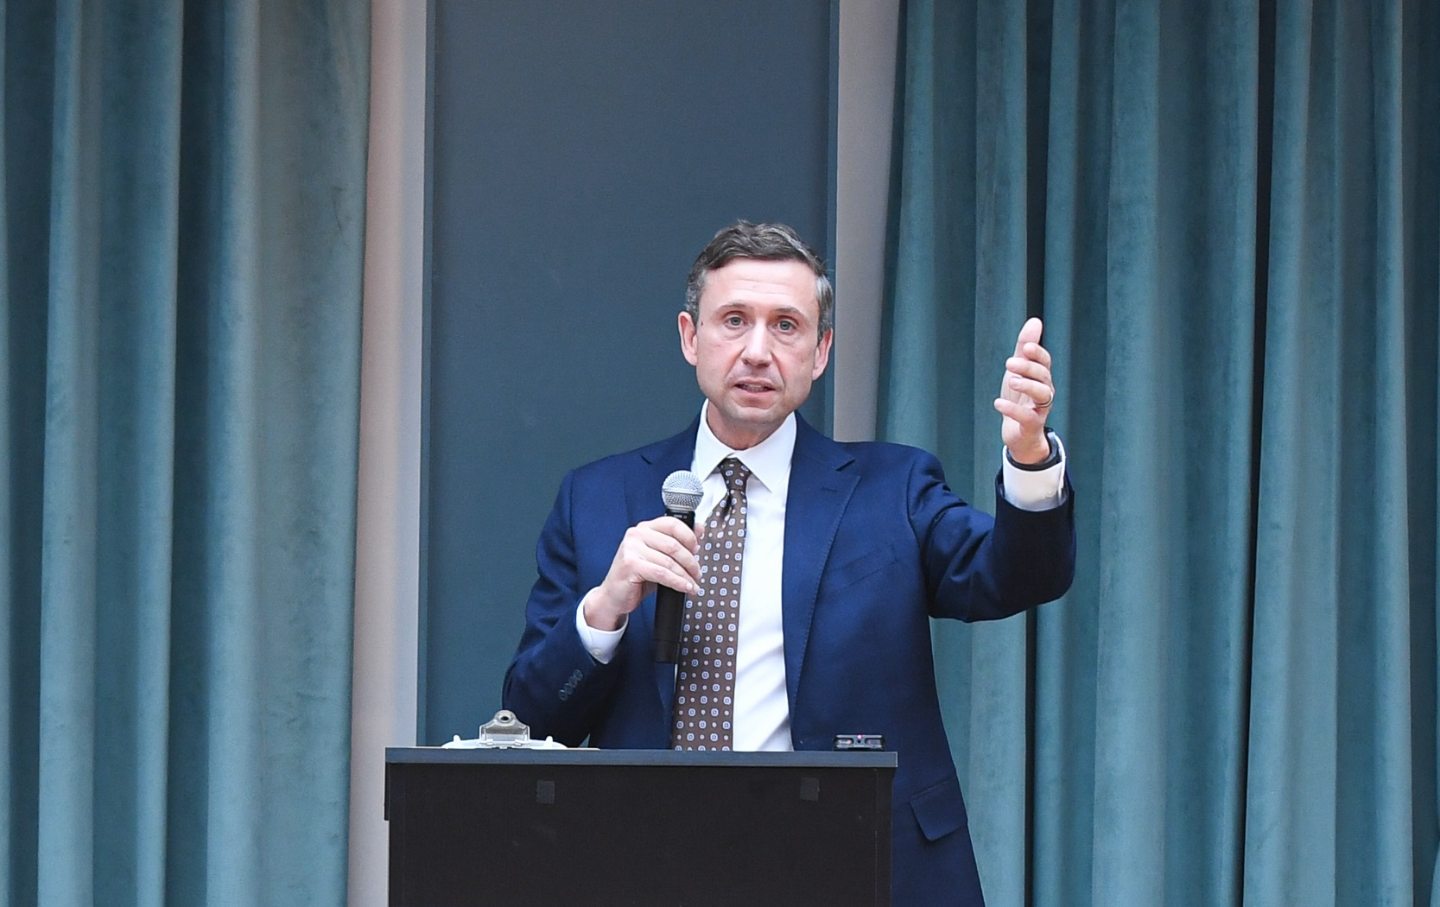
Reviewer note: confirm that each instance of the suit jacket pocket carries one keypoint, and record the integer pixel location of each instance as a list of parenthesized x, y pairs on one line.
[(939, 809), (865, 565)]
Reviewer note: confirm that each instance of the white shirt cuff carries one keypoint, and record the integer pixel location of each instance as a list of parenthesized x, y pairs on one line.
[(601, 644), (1034, 489)]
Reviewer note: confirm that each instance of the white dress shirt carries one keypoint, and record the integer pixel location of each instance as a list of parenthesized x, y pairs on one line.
[(762, 709)]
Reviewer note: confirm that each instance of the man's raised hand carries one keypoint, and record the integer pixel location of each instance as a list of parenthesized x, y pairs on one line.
[(1026, 394)]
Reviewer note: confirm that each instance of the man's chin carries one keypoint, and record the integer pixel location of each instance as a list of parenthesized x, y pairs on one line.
[(744, 426), (758, 413)]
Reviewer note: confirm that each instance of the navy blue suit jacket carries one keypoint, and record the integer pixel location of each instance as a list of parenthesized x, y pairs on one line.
[(875, 546)]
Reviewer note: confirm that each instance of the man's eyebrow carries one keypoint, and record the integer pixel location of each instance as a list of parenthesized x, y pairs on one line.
[(787, 311)]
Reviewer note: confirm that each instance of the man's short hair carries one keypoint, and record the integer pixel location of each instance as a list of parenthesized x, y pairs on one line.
[(761, 242)]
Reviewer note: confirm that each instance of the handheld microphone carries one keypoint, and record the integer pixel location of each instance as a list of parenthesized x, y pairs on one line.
[(681, 493)]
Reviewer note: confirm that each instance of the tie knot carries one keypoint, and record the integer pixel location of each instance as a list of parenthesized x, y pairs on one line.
[(735, 474)]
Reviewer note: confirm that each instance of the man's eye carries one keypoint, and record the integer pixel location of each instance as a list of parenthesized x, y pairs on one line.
[(786, 325), (733, 321)]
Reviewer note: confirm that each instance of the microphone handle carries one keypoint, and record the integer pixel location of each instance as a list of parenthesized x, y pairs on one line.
[(670, 609)]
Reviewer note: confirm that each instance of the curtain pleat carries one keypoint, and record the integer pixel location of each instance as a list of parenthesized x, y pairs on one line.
[(1236, 222), (183, 192), (1331, 770)]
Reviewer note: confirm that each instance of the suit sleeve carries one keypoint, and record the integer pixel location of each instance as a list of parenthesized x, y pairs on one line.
[(983, 568), (553, 684)]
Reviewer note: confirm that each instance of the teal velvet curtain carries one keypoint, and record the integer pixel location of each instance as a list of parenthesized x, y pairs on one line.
[(183, 194), (1228, 212)]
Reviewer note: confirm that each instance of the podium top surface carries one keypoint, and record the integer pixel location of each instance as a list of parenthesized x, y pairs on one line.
[(411, 755)]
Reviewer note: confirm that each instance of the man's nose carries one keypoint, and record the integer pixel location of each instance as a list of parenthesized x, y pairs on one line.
[(757, 345)]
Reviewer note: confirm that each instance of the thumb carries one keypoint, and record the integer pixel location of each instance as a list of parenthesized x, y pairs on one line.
[(1029, 333)]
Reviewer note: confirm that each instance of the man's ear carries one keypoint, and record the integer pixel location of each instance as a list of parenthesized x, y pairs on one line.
[(687, 338), (822, 354)]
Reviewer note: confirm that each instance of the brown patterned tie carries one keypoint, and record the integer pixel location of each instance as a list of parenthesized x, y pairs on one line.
[(705, 682)]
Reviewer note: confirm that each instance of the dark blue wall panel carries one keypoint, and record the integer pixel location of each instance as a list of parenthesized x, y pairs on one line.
[(581, 155)]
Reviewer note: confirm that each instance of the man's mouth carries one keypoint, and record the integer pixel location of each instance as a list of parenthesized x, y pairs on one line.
[(754, 387)]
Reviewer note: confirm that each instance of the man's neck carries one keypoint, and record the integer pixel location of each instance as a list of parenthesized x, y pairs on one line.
[(767, 459)]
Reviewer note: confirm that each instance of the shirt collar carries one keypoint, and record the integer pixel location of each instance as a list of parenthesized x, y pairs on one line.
[(768, 461)]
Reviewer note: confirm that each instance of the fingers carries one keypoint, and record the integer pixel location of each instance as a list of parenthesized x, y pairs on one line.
[(674, 567), (1030, 419), (669, 535), (1027, 373), (1040, 392), (1027, 379), (1027, 393), (669, 546), (659, 551)]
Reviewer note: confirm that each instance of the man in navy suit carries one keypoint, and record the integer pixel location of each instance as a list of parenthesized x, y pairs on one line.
[(850, 549)]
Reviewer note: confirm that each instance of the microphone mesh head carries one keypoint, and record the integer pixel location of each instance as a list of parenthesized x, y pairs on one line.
[(682, 491)]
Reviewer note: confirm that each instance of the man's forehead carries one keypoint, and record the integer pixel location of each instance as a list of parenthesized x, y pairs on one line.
[(786, 285)]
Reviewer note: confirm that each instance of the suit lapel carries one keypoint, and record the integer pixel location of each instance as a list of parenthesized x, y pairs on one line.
[(642, 496), (820, 489)]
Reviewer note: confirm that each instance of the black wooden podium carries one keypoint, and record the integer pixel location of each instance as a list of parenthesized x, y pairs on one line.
[(651, 827)]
